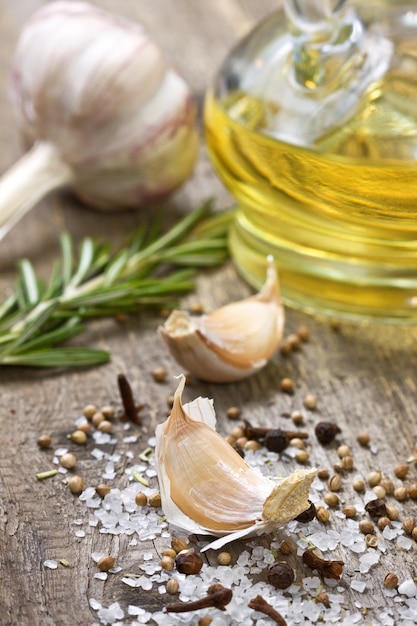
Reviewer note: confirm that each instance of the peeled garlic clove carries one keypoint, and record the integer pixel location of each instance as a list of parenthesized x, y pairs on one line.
[(207, 488), (104, 112), (233, 342)]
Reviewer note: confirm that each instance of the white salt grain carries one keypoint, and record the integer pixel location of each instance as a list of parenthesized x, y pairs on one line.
[(101, 575), (79, 533), (358, 585), (408, 588), (404, 542), (50, 564)]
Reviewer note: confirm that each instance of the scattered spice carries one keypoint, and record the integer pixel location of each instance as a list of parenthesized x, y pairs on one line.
[(44, 441), (335, 482), (297, 418), (79, 437), (383, 522), (105, 426), (141, 499), (262, 606), (89, 411), (408, 525), (331, 499), (188, 562), (412, 491), (310, 402), (401, 471), (363, 438), (350, 511), (302, 456), (322, 514), (287, 386), (108, 412), (329, 569), (131, 411), (217, 597), (326, 432), (304, 334), (233, 413), (76, 484), (343, 451), (169, 552), (308, 515), (358, 485), (323, 598), (159, 374), (155, 500), (105, 563), (173, 586), (179, 544), (390, 580), (374, 478), (371, 541), (97, 418), (379, 491), (102, 490), (204, 621), (167, 563), (366, 526), (287, 547), (376, 508), (393, 513), (224, 558), (281, 575), (388, 485), (401, 493), (68, 460), (323, 473)]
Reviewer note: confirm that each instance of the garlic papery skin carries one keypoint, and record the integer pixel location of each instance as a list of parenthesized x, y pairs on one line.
[(93, 89), (207, 488), (234, 341)]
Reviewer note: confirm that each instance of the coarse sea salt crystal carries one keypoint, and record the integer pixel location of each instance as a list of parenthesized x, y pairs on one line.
[(368, 560), (408, 588), (79, 533), (101, 575), (358, 585), (404, 542), (325, 540), (111, 614), (50, 564)]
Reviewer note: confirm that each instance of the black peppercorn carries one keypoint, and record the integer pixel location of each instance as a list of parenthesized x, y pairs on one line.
[(376, 508), (276, 440), (188, 562), (281, 575), (308, 515), (326, 431)]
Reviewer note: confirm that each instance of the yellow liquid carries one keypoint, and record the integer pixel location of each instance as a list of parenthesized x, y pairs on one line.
[(340, 218)]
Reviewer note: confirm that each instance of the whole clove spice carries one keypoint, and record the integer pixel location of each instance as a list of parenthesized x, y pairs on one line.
[(131, 410), (261, 605), (326, 432), (329, 569), (217, 597), (274, 439)]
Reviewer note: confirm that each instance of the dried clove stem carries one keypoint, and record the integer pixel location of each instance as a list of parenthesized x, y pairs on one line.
[(217, 597), (329, 569), (131, 411), (261, 605), (256, 432)]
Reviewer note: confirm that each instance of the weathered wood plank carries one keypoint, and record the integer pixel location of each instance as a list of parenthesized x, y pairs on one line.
[(364, 377)]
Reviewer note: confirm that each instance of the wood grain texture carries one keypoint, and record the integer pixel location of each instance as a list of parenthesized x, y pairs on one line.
[(363, 376)]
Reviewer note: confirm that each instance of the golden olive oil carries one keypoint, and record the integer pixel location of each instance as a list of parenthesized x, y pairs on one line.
[(339, 215)]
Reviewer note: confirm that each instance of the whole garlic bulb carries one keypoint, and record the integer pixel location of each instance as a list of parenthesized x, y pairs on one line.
[(103, 111), (232, 342)]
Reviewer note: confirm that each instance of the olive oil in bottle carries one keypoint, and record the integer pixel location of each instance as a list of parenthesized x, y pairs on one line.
[(316, 137)]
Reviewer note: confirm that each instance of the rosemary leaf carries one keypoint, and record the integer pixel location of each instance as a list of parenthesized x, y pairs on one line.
[(149, 270)]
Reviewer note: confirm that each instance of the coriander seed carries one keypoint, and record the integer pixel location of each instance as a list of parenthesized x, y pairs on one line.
[(97, 418), (237, 432), (347, 463), (297, 418), (303, 333), (86, 428), (141, 499), (167, 563), (169, 552), (179, 544), (412, 491), (323, 473), (294, 341), (383, 522), (414, 533), (322, 514), (173, 586), (366, 526), (102, 490), (68, 460), (44, 441), (105, 426), (107, 412), (401, 471), (233, 413), (350, 511), (331, 499), (204, 621), (409, 525), (379, 491), (224, 558), (302, 456), (76, 484), (105, 563), (363, 438), (251, 444), (388, 485), (79, 437), (400, 494), (374, 478), (287, 386), (393, 513), (390, 580), (358, 485), (155, 500), (371, 541), (343, 451), (335, 482), (323, 598), (287, 547), (159, 374), (89, 411)]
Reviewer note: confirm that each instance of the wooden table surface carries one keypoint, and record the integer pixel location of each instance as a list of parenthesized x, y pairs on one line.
[(364, 377)]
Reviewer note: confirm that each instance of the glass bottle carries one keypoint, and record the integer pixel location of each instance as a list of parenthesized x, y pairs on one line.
[(312, 125)]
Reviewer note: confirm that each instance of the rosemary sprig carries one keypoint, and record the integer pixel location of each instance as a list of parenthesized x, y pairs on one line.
[(153, 269)]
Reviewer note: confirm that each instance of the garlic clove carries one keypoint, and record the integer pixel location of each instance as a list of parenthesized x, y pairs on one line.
[(207, 488), (234, 341)]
